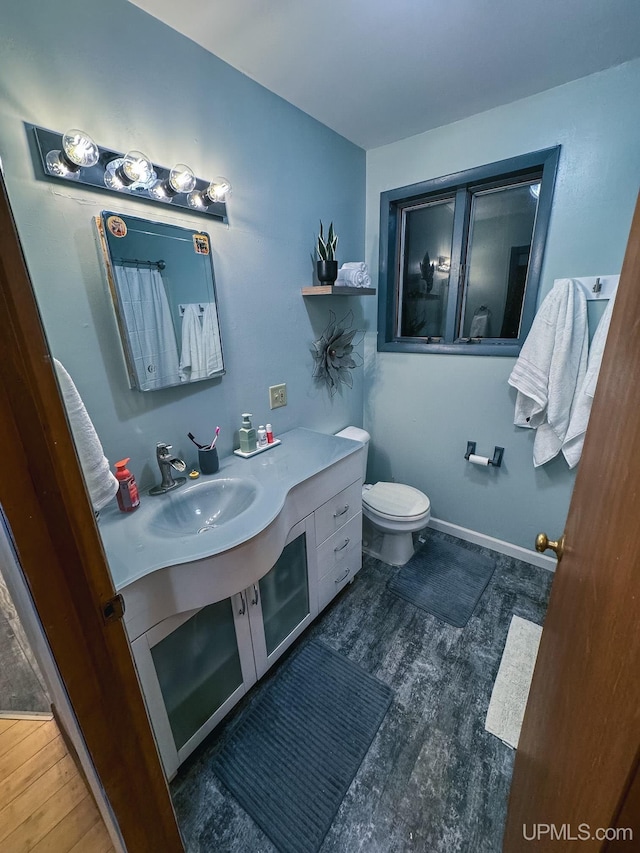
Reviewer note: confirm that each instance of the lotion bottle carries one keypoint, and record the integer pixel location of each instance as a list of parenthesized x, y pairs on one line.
[(128, 497), (247, 434)]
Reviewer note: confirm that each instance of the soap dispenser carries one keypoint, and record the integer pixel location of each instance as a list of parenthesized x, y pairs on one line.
[(247, 435)]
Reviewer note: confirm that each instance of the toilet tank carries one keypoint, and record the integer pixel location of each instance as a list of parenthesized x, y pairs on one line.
[(361, 435)]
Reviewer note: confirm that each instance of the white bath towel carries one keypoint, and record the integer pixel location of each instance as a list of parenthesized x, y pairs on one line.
[(354, 275), (574, 441), (192, 358), (212, 351), (551, 367), (101, 483)]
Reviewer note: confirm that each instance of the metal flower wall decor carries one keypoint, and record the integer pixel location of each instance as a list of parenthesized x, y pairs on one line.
[(334, 354)]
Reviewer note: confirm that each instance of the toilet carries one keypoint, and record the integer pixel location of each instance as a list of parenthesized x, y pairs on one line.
[(392, 513)]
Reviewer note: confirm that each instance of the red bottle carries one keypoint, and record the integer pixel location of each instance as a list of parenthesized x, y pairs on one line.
[(128, 497)]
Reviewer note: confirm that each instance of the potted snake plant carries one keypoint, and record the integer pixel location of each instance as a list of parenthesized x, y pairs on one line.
[(327, 265)]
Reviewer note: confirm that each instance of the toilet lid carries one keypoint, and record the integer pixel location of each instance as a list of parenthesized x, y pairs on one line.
[(396, 500)]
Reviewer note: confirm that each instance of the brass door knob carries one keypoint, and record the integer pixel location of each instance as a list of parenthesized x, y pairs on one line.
[(543, 542)]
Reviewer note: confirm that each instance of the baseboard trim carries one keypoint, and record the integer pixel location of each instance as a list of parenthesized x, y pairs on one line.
[(499, 545)]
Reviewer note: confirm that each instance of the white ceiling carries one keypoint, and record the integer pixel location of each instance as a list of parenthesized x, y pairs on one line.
[(378, 71)]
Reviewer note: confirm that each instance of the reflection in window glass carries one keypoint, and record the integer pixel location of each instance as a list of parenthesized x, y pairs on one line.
[(425, 265), (501, 230)]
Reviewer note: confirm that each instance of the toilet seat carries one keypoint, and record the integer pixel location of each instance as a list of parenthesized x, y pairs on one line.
[(395, 502)]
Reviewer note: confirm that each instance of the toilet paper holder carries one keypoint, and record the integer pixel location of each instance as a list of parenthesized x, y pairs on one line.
[(497, 454)]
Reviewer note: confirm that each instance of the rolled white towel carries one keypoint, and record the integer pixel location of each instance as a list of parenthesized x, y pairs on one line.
[(355, 265), (101, 483), (354, 277)]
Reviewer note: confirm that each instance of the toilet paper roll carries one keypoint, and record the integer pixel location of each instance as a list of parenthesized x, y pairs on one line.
[(479, 460)]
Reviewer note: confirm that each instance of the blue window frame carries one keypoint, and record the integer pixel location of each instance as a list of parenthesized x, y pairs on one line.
[(461, 255)]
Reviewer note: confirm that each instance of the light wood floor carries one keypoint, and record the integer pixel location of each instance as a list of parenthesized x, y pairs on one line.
[(45, 806)]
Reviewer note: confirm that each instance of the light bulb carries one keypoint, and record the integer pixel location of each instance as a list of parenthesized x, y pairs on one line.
[(134, 171), (219, 189), (198, 200), (137, 168), (78, 151), (182, 179), (80, 148)]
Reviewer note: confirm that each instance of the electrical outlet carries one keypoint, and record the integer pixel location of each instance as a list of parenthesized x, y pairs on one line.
[(277, 396)]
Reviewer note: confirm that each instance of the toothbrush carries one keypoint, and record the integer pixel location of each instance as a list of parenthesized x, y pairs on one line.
[(215, 438), (199, 446)]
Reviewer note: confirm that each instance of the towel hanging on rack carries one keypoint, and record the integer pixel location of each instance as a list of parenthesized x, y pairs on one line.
[(551, 367)]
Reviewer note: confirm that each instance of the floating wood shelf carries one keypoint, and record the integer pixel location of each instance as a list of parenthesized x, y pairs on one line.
[(336, 290)]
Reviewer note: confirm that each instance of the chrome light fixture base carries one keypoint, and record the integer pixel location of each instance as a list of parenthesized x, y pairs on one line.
[(163, 185)]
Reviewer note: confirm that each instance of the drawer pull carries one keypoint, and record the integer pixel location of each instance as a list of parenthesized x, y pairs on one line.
[(255, 595), (243, 609), (342, 511), (344, 576), (343, 546)]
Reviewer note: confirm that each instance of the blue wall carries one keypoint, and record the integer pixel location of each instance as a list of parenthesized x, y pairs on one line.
[(422, 409), (130, 81)]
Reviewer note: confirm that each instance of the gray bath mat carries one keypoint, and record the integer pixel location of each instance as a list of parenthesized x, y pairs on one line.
[(444, 579), (294, 752)]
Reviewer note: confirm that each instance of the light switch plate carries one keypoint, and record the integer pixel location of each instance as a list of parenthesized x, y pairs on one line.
[(277, 396)]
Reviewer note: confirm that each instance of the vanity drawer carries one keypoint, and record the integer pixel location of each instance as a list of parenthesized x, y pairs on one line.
[(332, 515), (335, 580), (336, 547)]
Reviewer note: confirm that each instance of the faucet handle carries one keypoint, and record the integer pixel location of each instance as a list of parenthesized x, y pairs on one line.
[(162, 449)]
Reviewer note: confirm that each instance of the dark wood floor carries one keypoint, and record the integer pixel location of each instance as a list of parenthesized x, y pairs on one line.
[(433, 780)]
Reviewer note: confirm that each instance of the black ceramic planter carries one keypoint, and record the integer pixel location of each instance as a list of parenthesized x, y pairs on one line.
[(327, 271)]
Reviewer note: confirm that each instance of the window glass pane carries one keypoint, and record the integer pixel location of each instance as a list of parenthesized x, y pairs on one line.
[(500, 233), (425, 261)]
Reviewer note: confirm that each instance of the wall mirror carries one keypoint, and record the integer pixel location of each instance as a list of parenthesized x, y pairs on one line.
[(163, 289)]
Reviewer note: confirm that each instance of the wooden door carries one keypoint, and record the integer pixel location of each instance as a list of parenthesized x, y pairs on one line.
[(576, 764), (60, 552)]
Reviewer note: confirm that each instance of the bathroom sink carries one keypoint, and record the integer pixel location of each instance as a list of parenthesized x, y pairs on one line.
[(203, 506)]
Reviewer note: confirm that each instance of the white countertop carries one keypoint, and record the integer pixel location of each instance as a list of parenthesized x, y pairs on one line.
[(134, 550)]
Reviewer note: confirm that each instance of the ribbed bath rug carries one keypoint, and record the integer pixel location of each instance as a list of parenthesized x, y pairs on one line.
[(292, 755), (512, 684), (444, 579)]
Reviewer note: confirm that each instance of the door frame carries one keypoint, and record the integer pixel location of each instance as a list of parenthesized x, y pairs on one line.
[(60, 552)]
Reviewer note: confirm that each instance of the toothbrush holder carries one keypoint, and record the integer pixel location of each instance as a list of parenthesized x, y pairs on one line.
[(208, 460)]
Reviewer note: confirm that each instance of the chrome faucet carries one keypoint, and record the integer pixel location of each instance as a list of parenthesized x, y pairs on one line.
[(166, 462)]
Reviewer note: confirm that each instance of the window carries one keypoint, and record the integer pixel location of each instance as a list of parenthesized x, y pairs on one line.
[(460, 258)]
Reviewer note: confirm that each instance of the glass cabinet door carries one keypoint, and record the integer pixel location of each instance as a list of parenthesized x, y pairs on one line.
[(284, 593), (282, 603), (198, 668)]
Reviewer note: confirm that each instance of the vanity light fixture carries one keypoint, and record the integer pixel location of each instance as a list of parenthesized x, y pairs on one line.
[(215, 193), (74, 156)]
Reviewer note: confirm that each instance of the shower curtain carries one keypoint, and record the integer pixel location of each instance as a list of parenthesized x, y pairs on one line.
[(151, 334)]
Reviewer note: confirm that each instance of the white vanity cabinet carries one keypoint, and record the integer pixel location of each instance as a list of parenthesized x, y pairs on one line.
[(195, 666), (205, 626)]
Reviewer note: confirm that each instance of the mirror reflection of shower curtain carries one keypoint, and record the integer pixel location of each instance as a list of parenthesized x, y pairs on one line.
[(150, 329)]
